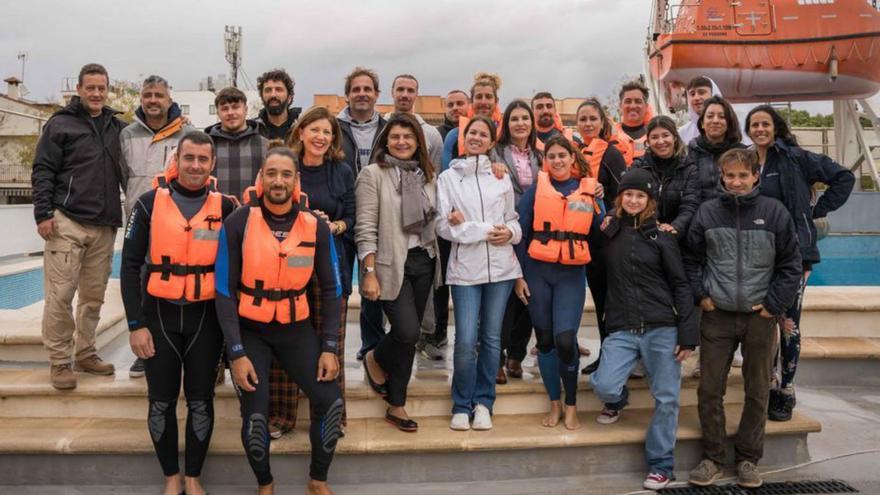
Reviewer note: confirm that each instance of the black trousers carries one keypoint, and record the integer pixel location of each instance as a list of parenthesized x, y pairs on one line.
[(188, 340), (516, 330), (296, 350), (441, 294), (397, 349), (597, 280)]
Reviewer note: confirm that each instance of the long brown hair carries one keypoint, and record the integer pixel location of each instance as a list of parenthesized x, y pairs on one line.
[(606, 132), (580, 163), (409, 122), (314, 114)]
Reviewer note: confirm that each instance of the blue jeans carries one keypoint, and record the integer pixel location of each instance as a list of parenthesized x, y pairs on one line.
[(479, 311), (620, 352)]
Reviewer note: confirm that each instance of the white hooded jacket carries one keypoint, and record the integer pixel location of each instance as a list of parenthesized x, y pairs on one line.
[(470, 187)]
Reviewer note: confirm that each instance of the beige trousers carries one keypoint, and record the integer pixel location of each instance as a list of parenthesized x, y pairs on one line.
[(76, 258)]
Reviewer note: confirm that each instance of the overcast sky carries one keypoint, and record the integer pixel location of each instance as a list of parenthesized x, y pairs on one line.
[(570, 47)]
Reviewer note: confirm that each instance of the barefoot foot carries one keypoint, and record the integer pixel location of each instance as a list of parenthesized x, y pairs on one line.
[(552, 418), (571, 418)]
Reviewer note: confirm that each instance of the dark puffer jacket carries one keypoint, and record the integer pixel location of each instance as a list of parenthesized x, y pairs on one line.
[(679, 193), (744, 252), (704, 156), (798, 170), (77, 168), (647, 285)]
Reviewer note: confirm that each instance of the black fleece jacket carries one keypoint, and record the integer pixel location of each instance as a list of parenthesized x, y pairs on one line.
[(647, 285)]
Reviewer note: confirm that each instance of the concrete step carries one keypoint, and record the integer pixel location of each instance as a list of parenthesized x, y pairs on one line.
[(111, 451), (21, 329), (832, 361), (828, 311), (26, 393)]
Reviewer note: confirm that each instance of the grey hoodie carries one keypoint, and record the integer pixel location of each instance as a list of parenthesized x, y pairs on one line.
[(363, 133)]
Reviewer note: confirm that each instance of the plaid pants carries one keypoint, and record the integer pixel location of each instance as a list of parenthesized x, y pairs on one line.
[(284, 394)]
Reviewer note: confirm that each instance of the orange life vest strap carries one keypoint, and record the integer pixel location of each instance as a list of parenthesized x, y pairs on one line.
[(167, 269)]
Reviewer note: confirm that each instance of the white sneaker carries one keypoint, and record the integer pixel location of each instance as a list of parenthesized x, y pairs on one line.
[(460, 422), (482, 418)]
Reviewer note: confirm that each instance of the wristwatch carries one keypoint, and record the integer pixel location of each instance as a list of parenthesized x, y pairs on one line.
[(369, 269)]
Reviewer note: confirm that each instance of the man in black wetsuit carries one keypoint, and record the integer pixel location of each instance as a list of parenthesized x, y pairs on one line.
[(269, 250), (174, 230)]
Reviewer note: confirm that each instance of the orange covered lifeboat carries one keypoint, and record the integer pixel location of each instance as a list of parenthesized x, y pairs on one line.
[(763, 50)]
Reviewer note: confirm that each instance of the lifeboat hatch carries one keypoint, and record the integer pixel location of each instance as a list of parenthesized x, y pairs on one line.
[(753, 17)]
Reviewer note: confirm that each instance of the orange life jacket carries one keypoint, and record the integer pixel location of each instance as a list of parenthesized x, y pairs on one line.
[(629, 147), (463, 122), (594, 152), (566, 132), (275, 275), (562, 223), (182, 253)]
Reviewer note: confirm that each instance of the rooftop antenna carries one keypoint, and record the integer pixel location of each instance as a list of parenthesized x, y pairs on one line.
[(23, 56), (232, 38)]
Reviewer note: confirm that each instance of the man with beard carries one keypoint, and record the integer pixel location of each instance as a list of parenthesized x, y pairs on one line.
[(263, 309), (277, 117), (547, 121), (146, 144), (457, 105), (631, 133)]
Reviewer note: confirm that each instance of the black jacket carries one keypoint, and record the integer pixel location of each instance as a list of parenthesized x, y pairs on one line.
[(349, 145), (679, 193), (76, 167), (798, 170), (743, 251), (704, 156), (647, 285), (270, 131), (340, 182), (445, 127)]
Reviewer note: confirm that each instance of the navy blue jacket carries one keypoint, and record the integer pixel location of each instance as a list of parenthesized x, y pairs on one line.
[(798, 170)]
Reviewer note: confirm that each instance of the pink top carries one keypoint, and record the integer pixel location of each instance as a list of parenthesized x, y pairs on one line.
[(523, 164)]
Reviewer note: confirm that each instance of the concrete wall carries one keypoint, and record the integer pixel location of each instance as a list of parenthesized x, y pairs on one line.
[(861, 213), (20, 231)]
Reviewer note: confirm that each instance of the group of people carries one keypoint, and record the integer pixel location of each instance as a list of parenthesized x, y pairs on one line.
[(241, 242)]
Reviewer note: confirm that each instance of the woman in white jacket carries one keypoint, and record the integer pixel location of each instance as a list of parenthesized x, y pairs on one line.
[(478, 215)]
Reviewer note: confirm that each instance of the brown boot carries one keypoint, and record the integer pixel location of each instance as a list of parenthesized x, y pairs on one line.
[(95, 365), (62, 377), (514, 368), (500, 378)]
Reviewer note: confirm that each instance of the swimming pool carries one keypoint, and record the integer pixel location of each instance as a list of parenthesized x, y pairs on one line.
[(846, 260)]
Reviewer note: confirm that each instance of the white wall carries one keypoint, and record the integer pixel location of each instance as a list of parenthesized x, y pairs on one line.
[(19, 230)]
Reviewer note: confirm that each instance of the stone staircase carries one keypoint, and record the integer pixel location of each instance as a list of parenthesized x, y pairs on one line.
[(96, 434)]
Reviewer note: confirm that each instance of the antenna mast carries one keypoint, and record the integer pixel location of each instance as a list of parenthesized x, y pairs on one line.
[(23, 56), (232, 38)]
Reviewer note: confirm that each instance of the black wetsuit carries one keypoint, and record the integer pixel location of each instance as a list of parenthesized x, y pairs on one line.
[(296, 346), (186, 337)]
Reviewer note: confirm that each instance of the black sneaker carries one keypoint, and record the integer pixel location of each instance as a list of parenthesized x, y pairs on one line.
[(780, 406), (137, 369)]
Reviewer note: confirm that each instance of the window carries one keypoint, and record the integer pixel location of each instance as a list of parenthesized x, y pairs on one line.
[(212, 110), (184, 109), (815, 2)]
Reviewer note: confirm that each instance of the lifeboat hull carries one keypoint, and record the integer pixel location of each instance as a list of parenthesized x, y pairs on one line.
[(787, 51)]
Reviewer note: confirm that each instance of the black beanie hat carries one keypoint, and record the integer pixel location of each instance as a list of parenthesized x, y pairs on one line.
[(639, 179)]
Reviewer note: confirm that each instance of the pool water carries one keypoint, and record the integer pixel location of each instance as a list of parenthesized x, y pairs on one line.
[(846, 260)]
